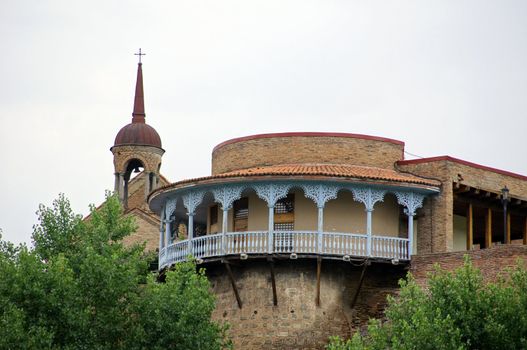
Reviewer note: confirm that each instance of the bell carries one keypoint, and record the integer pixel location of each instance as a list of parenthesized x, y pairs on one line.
[(136, 170)]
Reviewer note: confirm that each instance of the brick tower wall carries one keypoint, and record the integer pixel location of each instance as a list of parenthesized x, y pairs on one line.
[(264, 150)]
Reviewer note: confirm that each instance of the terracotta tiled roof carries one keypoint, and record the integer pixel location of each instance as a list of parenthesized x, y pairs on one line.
[(325, 170)]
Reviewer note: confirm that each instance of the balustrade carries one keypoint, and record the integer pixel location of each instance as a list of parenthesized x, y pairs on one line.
[(334, 244), (390, 247), (246, 242)]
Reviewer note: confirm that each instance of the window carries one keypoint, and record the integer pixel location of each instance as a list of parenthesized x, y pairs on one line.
[(241, 214), (284, 226), (284, 214)]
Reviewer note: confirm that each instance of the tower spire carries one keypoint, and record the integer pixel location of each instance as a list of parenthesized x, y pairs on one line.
[(138, 115)]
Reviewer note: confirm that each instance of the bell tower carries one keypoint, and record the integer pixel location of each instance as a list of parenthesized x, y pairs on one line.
[(137, 149)]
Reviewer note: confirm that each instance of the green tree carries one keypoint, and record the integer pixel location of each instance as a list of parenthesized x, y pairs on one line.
[(457, 311), (81, 288)]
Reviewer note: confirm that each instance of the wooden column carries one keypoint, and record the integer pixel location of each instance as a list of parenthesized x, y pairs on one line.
[(488, 228), (470, 227), (508, 228), (273, 281), (359, 285), (319, 268), (525, 230), (233, 284)]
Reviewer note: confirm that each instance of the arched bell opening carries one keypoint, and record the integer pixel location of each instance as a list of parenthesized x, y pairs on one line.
[(134, 168)]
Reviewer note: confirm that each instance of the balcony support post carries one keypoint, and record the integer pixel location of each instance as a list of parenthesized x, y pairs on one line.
[(368, 230), (273, 280), (319, 270), (411, 201), (233, 283), (190, 233), (365, 265), (320, 194), (226, 195), (320, 229), (224, 231), (191, 200), (368, 197), (271, 229), (167, 233), (271, 193), (161, 235), (410, 235), (161, 230)]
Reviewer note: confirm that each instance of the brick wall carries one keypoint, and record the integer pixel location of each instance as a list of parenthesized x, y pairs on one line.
[(488, 180), (296, 322), (435, 224), (305, 149), (147, 232), (490, 261)]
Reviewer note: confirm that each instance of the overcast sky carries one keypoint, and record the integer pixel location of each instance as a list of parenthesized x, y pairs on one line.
[(446, 77)]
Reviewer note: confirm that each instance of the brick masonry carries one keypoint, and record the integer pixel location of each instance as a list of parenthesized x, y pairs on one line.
[(305, 149), (147, 230), (149, 156), (296, 322), (491, 261), (435, 224)]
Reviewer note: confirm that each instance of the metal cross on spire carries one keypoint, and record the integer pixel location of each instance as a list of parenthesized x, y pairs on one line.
[(140, 54)]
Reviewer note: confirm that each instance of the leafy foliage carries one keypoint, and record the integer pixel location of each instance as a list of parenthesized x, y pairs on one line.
[(457, 311), (81, 288)]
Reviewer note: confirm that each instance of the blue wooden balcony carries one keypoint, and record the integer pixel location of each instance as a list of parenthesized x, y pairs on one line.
[(346, 246)]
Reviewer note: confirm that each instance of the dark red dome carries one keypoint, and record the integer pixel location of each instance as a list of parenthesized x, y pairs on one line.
[(138, 134)]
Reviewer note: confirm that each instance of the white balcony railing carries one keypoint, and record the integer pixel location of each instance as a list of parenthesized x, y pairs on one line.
[(286, 242)]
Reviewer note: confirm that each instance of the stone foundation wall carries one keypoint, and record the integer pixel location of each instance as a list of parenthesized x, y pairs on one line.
[(297, 322)]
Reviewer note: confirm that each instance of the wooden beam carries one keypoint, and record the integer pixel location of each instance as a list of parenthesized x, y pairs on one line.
[(319, 267), (490, 203), (359, 286), (508, 228), (273, 281), (525, 230), (460, 188), (470, 226), (488, 228), (233, 283)]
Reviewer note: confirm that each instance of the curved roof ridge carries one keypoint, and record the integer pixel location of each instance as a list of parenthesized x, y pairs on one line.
[(303, 171)]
